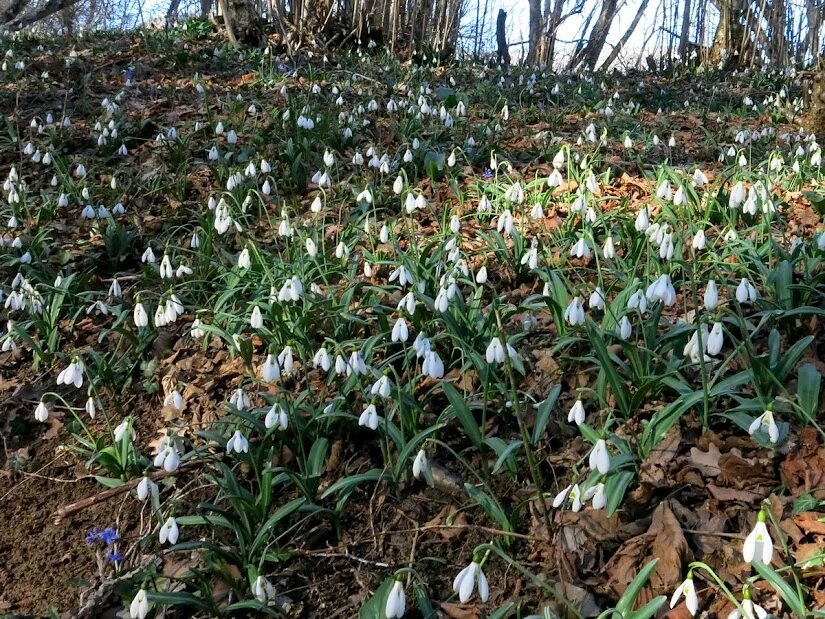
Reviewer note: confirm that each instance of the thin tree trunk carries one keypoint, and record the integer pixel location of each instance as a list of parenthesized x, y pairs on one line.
[(684, 36), (591, 52), (626, 36), (535, 30)]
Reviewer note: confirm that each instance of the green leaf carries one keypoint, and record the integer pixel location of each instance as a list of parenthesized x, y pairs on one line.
[(177, 599), (462, 411), (490, 505), (617, 385), (348, 484), (374, 607), (628, 599), (808, 389), (109, 482), (274, 520), (543, 414), (615, 487), (781, 587)]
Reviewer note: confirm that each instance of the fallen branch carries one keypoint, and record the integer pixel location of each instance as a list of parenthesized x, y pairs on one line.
[(89, 501)]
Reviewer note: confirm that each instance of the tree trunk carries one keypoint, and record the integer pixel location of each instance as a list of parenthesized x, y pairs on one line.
[(728, 35), (684, 36), (626, 36), (243, 23), (591, 52), (501, 38), (535, 31)]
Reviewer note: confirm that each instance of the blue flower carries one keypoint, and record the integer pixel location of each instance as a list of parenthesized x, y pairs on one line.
[(114, 557), (488, 173), (109, 536), (93, 536)]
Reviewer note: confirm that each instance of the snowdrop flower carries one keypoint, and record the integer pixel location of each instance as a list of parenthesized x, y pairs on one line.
[(609, 249), (598, 494), (745, 292), (421, 465), (260, 589), (237, 443), (573, 494), (737, 195), (321, 359), (577, 413), (515, 193), (400, 331), (597, 300), (580, 249), (624, 329), (286, 360), (599, 457), (41, 413), (396, 601), (167, 457), (433, 366), (688, 590), (356, 364), (481, 276), (642, 220), (758, 544), (574, 313), (146, 488), (465, 583), (505, 222), (139, 607), (369, 417), (699, 240), (276, 415), (72, 375), (715, 339), (169, 531), (767, 424), (382, 387), (531, 257), (711, 299), (495, 351), (90, 407), (148, 256)]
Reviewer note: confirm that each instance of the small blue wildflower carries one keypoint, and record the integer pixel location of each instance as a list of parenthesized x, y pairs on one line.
[(114, 557), (109, 536), (488, 173), (93, 536)]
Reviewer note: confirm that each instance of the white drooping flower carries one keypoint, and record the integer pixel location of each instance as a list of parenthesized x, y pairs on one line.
[(72, 375), (574, 313), (688, 590), (169, 531), (758, 544), (466, 580), (260, 589), (237, 443), (600, 457), (421, 465), (41, 413), (711, 299), (767, 424), (277, 415), (139, 607), (369, 417), (396, 601), (577, 413), (146, 488), (745, 292)]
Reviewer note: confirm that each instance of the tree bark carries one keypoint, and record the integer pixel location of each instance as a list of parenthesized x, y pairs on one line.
[(684, 36), (591, 52), (626, 36), (535, 31), (243, 23), (501, 38)]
